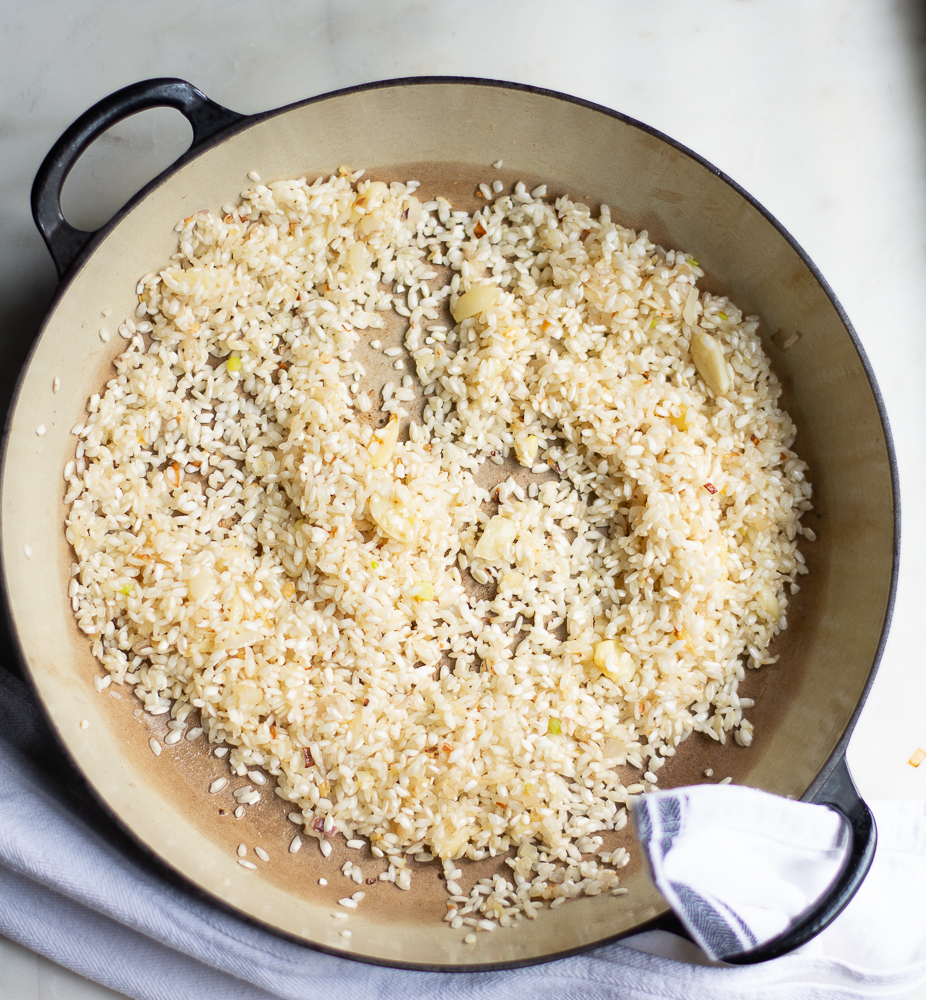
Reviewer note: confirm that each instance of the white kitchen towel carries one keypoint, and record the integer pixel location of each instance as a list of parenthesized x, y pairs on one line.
[(738, 865), (73, 888)]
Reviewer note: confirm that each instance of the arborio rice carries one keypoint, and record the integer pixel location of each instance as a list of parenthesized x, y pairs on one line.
[(248, 546)]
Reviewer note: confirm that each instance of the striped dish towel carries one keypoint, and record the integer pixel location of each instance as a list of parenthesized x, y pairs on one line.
[(736, 864)]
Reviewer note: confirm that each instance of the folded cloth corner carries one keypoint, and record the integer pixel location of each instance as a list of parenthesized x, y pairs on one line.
[(738, 865)]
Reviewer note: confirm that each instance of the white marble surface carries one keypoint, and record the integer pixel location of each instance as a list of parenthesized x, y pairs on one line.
[(815, 108)]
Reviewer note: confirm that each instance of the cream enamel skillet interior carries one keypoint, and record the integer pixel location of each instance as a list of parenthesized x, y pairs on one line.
[(445, 133)]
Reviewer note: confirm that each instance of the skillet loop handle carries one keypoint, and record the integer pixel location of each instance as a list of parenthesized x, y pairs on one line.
[(206, 118), (839, 793)]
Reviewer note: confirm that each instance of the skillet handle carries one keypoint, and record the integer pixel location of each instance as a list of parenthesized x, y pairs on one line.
[(206, 117), (839, 793)]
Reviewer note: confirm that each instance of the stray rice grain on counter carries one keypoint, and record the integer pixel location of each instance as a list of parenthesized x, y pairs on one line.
[(249, 547)]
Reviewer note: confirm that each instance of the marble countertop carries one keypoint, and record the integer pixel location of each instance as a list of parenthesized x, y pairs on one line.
[(817, 109)]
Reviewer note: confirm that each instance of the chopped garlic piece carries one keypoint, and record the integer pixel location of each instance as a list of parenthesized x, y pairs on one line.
[(614, 661), (526, 449), (453, 843), (475, 301), (711, 364), (383, 444), (391, 519), (498, 533), (423, 592), (200, 584), (373, 197)]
